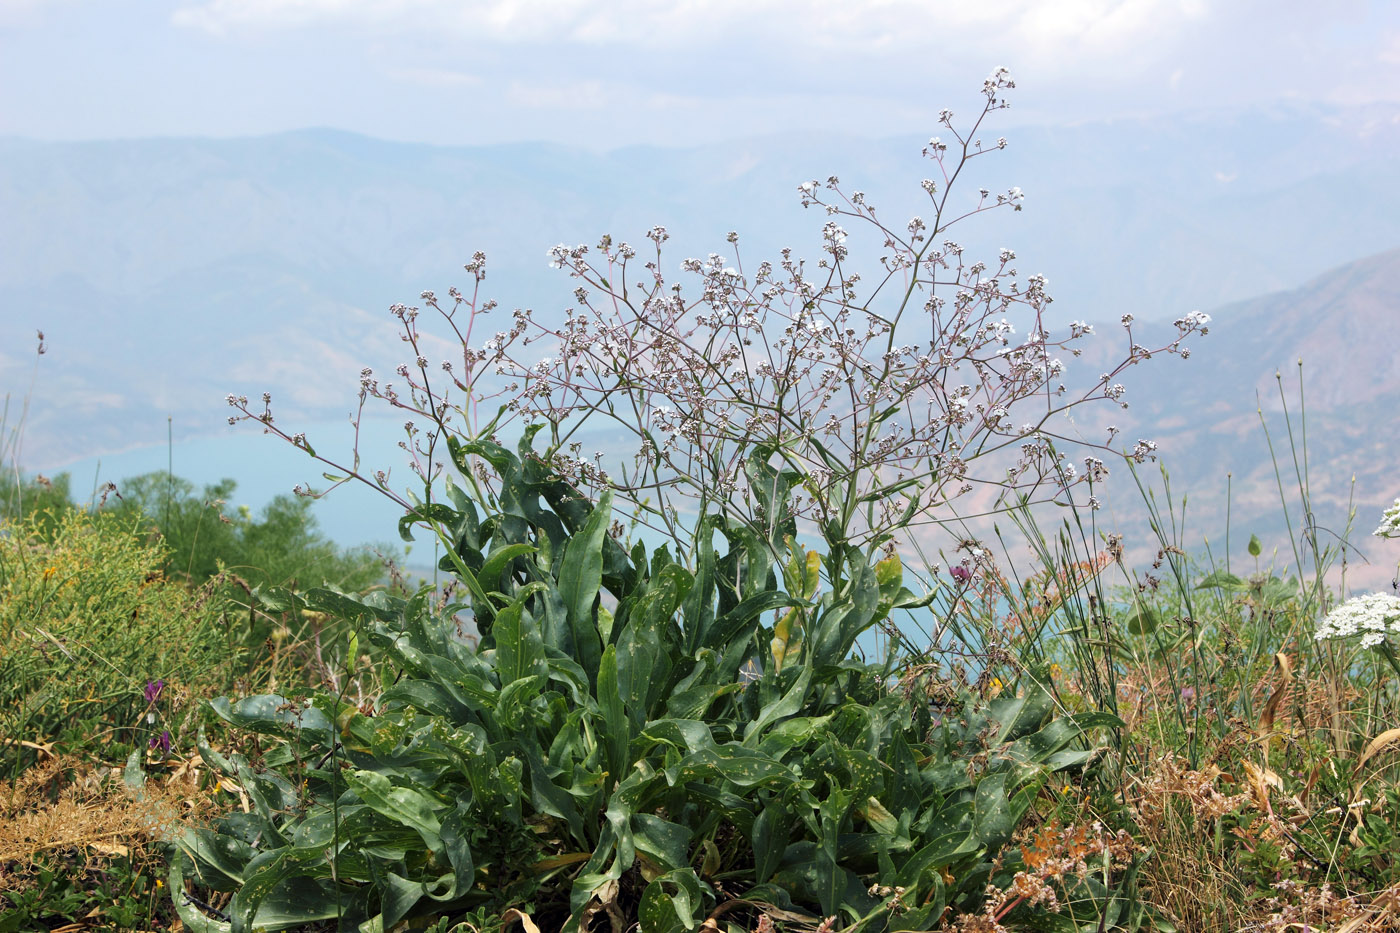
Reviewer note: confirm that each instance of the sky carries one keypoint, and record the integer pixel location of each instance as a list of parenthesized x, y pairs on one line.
[(683, 72)]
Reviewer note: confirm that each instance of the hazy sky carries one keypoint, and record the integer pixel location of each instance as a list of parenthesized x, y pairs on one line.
[(609, 72)]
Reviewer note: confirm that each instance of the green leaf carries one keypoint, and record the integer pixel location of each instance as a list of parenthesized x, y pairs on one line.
[(771, 831), (265, 874), (340, 605), (496, 562), (684, 735), (831, 878), (1143, 620), (580, 576), (1221, 579), (740, 766), (519, 648), (666, 843), (428, 512), (406, 806), (397, 894), (740, 619), (994, 820), (673, 902), (787, 705), (194, 919), (615, 720), (545, 795), (270, 714), (218, 857), (694, 702)]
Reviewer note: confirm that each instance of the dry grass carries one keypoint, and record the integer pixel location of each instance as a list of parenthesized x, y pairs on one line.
[(67, 806)]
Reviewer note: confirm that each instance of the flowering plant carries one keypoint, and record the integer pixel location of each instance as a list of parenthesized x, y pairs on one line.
[(630, 736), (1373, 617), (1390, 522), (1376, 616)]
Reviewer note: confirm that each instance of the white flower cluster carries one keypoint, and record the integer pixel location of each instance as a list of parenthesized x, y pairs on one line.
[(1372, 617), (1390, 522)]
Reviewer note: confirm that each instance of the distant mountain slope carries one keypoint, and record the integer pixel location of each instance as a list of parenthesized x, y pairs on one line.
[(168, 272), (1205, 412)]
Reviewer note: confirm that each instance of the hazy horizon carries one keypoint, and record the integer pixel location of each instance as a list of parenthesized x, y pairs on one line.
[(493, 71)]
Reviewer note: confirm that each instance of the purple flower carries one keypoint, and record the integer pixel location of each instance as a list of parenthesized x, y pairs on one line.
[(960, 573), (153, 690), (162, 743)]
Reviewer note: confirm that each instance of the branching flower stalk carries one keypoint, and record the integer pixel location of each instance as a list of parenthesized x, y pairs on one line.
[(790, 399)]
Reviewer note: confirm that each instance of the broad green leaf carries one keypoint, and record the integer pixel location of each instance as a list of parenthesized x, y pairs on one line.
[(685, 735), (782, 708), (274, 715), (831, 879), (1143, 620), (672, 903), (694, 702), (496, 562), (642, 665), (580, 576), (1020, 715), (1222, 579), (264, 875), (406, 806), (519, 648), (1039, 747), (219, 858), (397, 894), (545, 795), (740, 619), (791, 733), (615, 720), (835, 630), (771, 830), (881, 819), (666, 843), (740, 766)]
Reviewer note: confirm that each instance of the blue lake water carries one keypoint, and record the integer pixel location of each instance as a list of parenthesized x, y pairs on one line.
[(265, 466)]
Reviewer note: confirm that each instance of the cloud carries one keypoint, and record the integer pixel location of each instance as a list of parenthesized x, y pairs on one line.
[(578, 95), (15, 13), (434, 77), (1036, 24), (1390, 51), (612, 73)]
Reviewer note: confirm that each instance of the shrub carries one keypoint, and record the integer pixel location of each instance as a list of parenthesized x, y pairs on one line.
[(100, 650), (282, 546), (617, 762)]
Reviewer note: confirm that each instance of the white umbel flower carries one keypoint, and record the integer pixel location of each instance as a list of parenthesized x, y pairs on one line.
[(1373, 617), (1390, 522)]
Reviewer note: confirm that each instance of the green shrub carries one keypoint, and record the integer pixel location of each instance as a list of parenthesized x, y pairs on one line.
[(281, 546), (603, 752), (40, 498), (97, 648)]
